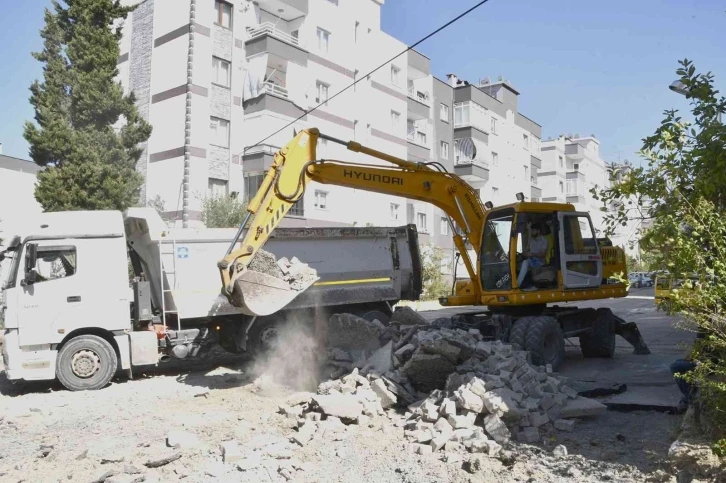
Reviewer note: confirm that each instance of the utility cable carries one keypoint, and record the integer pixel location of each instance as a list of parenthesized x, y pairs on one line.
[(479, 4)]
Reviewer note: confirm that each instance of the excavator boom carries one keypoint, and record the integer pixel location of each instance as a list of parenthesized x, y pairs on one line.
[(294, 166)]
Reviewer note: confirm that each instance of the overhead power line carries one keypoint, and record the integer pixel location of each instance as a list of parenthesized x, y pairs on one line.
[(458, 17)]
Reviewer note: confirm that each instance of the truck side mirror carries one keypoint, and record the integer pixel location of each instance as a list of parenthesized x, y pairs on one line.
[(31, 257)]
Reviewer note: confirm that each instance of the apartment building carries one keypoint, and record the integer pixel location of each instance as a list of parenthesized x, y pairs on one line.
[(571, 167)]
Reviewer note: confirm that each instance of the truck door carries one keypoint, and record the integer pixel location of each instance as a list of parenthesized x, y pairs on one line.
[(580, 260), (52, 295)]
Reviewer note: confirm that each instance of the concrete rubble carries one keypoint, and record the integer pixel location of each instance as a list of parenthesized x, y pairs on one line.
[(459, 392)]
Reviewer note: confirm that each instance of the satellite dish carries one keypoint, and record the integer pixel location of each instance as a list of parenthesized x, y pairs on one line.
[(467, 148)]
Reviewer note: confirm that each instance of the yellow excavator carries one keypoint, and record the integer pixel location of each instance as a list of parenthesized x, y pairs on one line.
[(493, 243)]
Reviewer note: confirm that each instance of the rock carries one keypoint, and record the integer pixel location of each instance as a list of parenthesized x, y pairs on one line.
[(156, 463), (496, 429), (448, 407), (492, 402), (566, 425), (299, 398), (453, 447), (427, 371), (337, 354), (452, 458), (348, 331), (181, 439), (407, 316), (483, 348), (386, 397), (462, 434), (380, 361), (582, 407), (698, 461), (530, 404), (528, 435), (305, 433), (478, 445), (468, 400), (444, 426), (231, 452), (473, 464), (559, 451), (363, 420), (439, 442), (441, 347), (538, 419), (462, 422), (405, 350), (417, 448), (340, 406), (313, 416), (568, 391)]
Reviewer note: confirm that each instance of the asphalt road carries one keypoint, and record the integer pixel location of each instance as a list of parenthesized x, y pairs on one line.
[(647, 377)]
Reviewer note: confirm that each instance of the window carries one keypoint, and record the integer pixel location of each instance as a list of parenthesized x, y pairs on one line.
[(395, 211), (321, 200), (252, 184), (562, 163), (562, 187), (571, 187), (394, 75), (461, 114), (495, 193), (355, 32), (322, 90), (410, 130), (444, 225), (525, 141), (526, 172), (55, 262), (495, 159), (223, 14), (216, 188), (444, 112), (444, 150), (322, 148), (220, 72), (220, 132), (421, 222), (579, 238), (395, 119), (323, 40), (576, 166), (421, 138), (495, 271), (494, 125)]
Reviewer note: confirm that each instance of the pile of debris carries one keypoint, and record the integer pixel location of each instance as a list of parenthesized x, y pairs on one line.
[(297, 274), (460, 391)]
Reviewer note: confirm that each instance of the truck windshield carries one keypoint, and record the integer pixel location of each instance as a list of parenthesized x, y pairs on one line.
[(494, 257)]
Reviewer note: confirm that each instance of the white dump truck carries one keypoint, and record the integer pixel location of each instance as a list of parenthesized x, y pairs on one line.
[(89, 293)]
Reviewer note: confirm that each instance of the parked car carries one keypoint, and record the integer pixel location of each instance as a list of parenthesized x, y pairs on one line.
[(639, 280)]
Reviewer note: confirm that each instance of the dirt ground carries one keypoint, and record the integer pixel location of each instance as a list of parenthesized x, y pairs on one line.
[(48, 434)]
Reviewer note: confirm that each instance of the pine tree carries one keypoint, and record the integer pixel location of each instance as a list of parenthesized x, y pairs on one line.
[(87, 132)]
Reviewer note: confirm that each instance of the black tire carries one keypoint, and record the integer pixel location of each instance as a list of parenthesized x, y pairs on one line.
[(371, 315), (519, 330), (86, 363), (262, 335), (545, 342), (601, 341)]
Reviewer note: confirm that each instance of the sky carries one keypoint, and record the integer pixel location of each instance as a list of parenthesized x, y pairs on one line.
[(580, 66)]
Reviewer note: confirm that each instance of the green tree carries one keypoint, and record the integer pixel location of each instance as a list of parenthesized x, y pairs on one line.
[(223, 212), (682, 194), (435, 284), (86, 132)]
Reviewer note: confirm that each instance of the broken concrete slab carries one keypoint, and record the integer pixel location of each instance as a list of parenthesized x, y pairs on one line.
[(341, 406), (386, 397), (496, 429), (348, 331), (566, 425), (582, 407), (528, 435), (408, 316), (380, 361), (468, 400), (441, 347)]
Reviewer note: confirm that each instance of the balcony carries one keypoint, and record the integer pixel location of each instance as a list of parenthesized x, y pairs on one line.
[(259, 158), (535, 193), (471, 172), (286, 9), (471, 114), (574, 151), (533, 180), (419, 103), (274, 89), (268, 28)]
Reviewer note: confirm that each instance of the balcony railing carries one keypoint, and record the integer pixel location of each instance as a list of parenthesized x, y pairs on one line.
[(268, 28), (419, 96), (533, 180), (272, 88), (415, 139)]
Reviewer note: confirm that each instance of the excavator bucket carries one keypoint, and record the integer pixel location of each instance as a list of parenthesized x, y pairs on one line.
[(259, 294)]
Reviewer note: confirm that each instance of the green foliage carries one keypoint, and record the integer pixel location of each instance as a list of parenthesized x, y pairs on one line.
[(719, 448), (435, 284), (223, 212), (682, 193), (634, 264), (86, 132)]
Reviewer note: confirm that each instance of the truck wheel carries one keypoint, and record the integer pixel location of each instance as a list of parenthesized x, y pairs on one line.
[(545, 342), (601, 341), (86, 363), (262, 335), (372, 315), (519, 331)]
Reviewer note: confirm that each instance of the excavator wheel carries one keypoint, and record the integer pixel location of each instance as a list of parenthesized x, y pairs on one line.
[(601, 341), (545, 342), (519, 330)]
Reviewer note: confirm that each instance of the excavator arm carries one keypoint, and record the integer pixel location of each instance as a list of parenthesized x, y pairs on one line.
[(294, 166)]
